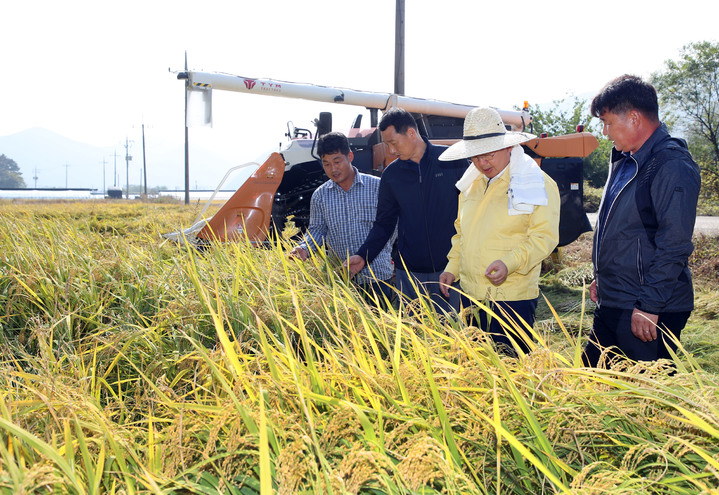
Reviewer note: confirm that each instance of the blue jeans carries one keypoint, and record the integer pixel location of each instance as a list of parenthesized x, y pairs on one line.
[(428, 284)]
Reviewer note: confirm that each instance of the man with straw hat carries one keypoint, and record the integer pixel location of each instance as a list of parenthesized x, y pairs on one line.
[(507, 223)]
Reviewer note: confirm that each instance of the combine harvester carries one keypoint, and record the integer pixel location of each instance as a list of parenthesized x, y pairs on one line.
[(282, 186)]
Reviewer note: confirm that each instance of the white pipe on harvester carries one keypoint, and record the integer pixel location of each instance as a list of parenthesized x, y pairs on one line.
[(382, 101)]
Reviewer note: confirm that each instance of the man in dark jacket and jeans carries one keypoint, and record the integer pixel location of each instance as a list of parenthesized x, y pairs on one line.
[(643, 239), (417, 194)]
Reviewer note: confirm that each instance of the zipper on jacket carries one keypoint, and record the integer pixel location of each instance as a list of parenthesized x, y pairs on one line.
[(611, 206), (606, 220), (424, 215)]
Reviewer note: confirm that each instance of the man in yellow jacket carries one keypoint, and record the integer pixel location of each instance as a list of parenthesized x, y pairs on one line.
[(508, 222)]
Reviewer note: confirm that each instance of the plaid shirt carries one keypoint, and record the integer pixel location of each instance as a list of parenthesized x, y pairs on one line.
[(342, 219)]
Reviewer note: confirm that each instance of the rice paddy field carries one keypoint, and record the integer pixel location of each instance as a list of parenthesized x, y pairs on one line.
[(132, 365)]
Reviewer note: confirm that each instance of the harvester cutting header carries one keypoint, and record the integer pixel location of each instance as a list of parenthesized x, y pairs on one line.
[(282, 186)]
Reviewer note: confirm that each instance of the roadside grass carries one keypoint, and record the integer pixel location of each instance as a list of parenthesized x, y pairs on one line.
[(133, 365)]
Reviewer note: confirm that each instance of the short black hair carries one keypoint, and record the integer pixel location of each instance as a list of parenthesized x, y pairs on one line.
[(399, 118), (627, 93), (333, 142)]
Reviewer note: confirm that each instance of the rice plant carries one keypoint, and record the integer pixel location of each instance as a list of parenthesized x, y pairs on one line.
[(132, 365)]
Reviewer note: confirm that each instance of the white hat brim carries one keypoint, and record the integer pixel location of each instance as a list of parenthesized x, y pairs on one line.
[(469, 148)]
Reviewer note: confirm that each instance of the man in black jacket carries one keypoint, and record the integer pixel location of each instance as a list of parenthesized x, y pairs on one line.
[(643, 239), (417, 195)]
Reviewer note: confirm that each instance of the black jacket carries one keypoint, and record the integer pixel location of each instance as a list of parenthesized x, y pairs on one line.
[(644, 264), (421, 201)]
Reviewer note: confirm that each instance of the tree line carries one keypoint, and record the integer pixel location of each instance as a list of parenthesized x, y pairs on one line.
[(688, 90), (10, 175)]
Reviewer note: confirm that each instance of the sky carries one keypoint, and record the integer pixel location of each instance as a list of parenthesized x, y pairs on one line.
[(96, 72)]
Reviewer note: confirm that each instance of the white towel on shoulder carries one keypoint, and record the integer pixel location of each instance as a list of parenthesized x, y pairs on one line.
[(526, 183), (470, 175)]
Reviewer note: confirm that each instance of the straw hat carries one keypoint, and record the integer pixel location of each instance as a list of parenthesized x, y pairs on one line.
[(484, 132)]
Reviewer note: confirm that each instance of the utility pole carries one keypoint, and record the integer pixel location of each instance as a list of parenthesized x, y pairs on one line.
[(114, 173), (103, 177), (187, 147), (66, 167), (128, 158), (144, 163), (399, 49), (35, 177)]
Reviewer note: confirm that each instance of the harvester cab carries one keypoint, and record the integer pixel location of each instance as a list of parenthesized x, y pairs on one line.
[(283, 184)]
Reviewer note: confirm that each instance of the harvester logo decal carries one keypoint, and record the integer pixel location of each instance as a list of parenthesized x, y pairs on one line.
[(265, 86), (270, 87)]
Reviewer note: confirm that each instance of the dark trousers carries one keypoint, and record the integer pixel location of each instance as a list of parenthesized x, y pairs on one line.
[(428, 284), (511, 313), (378, 290), (612, 328)]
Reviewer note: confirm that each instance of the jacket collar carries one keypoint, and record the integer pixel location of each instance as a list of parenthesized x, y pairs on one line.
[(656, 141), (659, 135), (429, 151)]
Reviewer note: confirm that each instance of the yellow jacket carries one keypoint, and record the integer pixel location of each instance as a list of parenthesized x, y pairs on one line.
[(487, 232)]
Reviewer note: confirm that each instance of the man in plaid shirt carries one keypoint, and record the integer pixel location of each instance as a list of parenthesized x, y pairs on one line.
[(342, 212)]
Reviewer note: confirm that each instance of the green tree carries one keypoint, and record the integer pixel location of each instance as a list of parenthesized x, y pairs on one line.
[(564, 117), (688, 90), (10, 175)]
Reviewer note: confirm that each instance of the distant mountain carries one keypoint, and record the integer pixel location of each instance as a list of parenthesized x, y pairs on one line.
[(49, 153), (60, 161)]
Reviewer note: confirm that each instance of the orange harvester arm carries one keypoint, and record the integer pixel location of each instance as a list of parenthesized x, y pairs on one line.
[(580, 144), (247, 213)]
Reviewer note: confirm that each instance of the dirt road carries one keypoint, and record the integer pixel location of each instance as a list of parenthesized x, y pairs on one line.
[(704, 225)]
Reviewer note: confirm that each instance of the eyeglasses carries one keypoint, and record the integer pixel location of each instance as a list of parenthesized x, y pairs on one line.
[(486, 157)]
